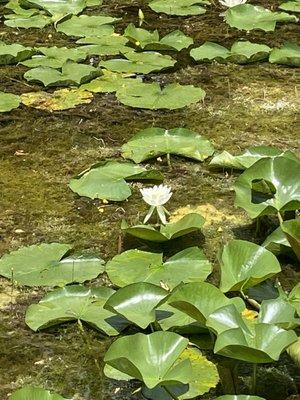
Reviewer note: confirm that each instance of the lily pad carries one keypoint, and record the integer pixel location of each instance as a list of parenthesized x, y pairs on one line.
[(62, 99), (152, 96), (86, 25), (199, 299), (249, 157), (141, 63), (293, 6), (291, 230), (107, 181), (246, 341), (110, 82), (154, 142), (210, 51), (148, 358), (47, 265), (9, 101), (189, 223), (104, 45), (169, 318), (189, 265), (204, 377), (55, 57), (58, 8), (14, 5), (279, 312), (71, 74), (147, 40), (38, 21), (245, 264), (288, 54), (178, 7), (32, 393), (248, 17), (268, 187), (13, 53), (242, 52), (137, 302), (294, 298), (73, 303), (277, 242)]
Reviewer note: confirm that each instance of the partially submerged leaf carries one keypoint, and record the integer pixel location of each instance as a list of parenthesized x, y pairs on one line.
[(14, 53), (141, 63), (73, 303), (59, 8), (71, 74), (268, 187), (189, 223), (45, 265), (245, 264), (210, 51), (148, 358), (293, 6), (248, 17), (291, 230), (86, 25), (154, 142), (104, 45), (288, 54), (108, 181), (38, 21), (178, 7), (189, 265), (136, 302), (110, 82), (9, 101), (152, 96), (62, 99), (33, 393)]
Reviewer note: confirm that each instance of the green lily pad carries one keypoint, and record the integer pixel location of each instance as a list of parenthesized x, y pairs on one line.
[(55, 57), (105, 45), (245, 264), (13, 53), (210, 51), (294, 352), (137, 302), (32, 393), (9, 101), (189, 223), (242, 52), (47, 265), (147, 40), (14, 5), (248, 17), (277, 242), (148, 358), (279, 312), (249, 157), (268, 187), (291, 230), (71, 74), (169, 318), (86, 25), (189, 265), (288, 54), (152, 96), (38, 21), (247, 341), (58, 8), (178, 7), (73, 303), (108, 181), (62, 99), (293, 6), (110, 82), (154, 142), (294, 298), (204, 377), (141, 63)]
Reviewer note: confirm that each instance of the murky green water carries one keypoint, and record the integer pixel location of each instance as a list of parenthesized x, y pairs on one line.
[(40, 152)]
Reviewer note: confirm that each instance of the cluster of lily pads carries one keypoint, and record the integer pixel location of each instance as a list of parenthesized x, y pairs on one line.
[(175, 314), (170, 296)]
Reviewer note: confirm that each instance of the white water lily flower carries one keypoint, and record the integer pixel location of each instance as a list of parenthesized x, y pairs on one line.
[(232, 3), (156, 197)]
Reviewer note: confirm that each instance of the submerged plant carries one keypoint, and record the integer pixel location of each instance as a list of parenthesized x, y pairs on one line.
[(156, 197)]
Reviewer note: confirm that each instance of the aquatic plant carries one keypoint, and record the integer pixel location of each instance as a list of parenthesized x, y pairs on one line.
[(156, 197)]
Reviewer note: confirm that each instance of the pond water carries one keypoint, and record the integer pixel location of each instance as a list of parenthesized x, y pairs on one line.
[(40, 152)]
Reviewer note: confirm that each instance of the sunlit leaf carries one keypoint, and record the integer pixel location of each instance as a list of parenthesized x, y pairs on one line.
[(55, 57), (35, 21), (9, 101), (32, 393), (288, 54), (110, 82), (178, 7), (86, 25), (14, 53)]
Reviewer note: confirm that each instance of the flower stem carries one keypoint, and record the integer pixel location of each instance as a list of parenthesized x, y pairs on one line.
[(280, 217), (169, 160)]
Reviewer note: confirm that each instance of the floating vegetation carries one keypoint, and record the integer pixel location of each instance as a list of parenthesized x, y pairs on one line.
[(179, 7), (9, 101)]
